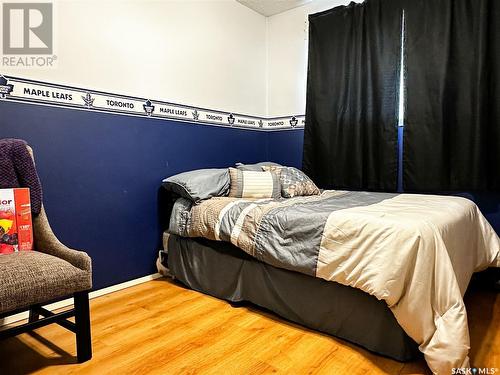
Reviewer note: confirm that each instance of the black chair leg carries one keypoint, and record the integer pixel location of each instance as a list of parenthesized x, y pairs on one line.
[(82, 321), (34, 315)]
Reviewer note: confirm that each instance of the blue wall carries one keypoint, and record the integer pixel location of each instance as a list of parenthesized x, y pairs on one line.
[(285, 147), (101, 174)]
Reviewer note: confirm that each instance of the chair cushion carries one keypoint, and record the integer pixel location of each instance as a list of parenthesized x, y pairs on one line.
[(32, 277)]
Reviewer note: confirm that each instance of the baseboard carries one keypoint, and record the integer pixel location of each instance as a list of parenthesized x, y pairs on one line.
[(69, 302)]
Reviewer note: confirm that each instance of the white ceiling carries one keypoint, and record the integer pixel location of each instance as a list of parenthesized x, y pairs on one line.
[(271, 7)]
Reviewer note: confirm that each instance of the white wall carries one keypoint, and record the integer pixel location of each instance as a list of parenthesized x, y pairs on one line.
[(287, 57), (207, 53), (216, 54)]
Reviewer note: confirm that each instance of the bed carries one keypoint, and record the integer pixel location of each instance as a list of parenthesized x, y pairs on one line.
[(386, 271)]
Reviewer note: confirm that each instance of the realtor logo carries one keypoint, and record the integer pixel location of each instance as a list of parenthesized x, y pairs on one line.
[(27, 29)]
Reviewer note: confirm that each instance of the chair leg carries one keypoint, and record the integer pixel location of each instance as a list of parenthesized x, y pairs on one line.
[(33, 314), (82, 321)]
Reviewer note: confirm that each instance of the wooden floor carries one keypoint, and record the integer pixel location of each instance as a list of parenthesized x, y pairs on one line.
[(160, 327)]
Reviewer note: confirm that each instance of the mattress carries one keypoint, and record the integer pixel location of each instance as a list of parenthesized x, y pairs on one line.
[(224, 271)]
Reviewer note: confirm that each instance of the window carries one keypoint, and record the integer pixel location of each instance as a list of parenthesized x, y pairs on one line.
[(401, 106)]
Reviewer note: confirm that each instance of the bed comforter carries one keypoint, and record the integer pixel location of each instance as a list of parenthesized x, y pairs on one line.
[(415, 252)]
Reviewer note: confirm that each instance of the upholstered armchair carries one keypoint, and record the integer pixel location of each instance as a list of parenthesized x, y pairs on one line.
[(32, 279)]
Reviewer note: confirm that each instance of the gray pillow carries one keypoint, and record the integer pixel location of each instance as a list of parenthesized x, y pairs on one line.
[(256, 167), (199, 184)]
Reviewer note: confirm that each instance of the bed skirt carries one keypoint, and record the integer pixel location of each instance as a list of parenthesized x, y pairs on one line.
[(224, 271)]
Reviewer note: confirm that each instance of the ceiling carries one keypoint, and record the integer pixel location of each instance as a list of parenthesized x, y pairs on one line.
[(271, 7)]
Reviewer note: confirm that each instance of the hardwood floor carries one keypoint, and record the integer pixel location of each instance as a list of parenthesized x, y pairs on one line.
[(160, 327)]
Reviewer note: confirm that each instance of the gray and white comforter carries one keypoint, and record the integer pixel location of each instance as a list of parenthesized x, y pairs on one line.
[(415, 252)]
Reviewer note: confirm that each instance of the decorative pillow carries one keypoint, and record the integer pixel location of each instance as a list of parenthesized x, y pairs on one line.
[(252, 184), (294, 182), (199, 184), (256, 167)]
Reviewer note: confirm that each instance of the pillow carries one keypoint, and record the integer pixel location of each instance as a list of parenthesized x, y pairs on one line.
[(253, 184), (199, 184), (256, 167), (294, 182)]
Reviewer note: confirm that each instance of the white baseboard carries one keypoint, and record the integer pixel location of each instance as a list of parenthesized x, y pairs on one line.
[(69, 302)]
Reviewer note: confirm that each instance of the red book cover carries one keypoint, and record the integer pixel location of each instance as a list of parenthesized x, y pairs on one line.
[(16, 228)]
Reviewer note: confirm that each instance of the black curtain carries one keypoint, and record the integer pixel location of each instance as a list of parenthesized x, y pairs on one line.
[(452, 132), (350, 137)]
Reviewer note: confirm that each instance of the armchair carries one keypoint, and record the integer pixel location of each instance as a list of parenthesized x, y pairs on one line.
[(51, 272)]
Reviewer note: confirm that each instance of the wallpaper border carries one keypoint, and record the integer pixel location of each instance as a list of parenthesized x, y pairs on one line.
[(15, 89)]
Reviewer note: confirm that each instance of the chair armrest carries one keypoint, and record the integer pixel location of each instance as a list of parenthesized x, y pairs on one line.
[(47, 242)]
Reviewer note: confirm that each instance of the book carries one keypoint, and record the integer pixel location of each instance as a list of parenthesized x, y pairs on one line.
[(16, 227)]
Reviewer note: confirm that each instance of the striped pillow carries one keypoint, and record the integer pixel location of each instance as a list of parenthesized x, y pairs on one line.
[(251, 184)]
